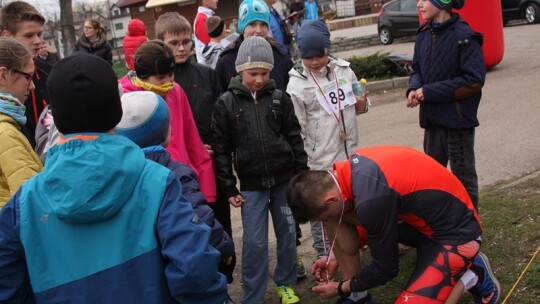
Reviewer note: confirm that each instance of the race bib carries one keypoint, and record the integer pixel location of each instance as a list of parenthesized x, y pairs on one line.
[(336, 98)]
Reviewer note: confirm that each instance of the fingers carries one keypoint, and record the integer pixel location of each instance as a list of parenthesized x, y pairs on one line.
[(209, 149), (236, 200)]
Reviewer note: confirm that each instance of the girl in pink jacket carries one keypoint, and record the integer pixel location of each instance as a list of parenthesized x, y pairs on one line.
[(154, 71)]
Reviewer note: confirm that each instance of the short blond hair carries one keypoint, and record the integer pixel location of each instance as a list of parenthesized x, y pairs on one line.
[(172, 23)]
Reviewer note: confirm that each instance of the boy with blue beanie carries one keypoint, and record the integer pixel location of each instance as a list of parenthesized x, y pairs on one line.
[(254, 123), (329, 128), (146, 121)]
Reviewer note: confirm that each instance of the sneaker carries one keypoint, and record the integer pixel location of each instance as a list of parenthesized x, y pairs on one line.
[(488, 288), (301, 270), (286, 294), (366, 300)]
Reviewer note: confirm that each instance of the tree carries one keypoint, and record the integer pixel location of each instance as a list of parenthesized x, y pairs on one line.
[(68, 28)]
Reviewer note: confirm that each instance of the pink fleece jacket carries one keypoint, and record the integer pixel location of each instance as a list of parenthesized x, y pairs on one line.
[(186, 145)]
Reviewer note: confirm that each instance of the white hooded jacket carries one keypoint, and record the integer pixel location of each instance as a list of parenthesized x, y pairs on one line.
[(320, 130)]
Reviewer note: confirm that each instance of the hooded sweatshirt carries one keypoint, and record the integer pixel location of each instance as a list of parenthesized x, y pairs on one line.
[(101, 224)]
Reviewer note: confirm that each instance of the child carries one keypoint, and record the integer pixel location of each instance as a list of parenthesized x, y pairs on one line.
[(136, 36), (198, 81), (100, 223), (255, 123), (254, 20), (202, 89), (154, 68), (329, 133), (206, 9), (447, 79), (146, 121), (20, 20), (18, 161), (216, 30)]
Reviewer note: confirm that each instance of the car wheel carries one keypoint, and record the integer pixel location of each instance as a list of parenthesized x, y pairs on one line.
[(531, 13), (385, 36)]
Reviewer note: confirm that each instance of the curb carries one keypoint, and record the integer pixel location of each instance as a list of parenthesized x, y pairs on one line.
[(387, 84)]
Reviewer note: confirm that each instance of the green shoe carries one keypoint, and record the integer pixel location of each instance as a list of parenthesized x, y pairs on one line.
[(286, 294)]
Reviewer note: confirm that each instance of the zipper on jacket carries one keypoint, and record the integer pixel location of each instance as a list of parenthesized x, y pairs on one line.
[(256, 103)]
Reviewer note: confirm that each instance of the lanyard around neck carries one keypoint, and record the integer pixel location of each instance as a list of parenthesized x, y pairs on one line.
[(338, 115)]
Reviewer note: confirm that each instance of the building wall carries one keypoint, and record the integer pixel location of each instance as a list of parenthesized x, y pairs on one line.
[(227, 9)]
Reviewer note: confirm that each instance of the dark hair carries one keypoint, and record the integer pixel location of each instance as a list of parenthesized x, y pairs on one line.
[(16, 12), (305, 193), (152, 58)]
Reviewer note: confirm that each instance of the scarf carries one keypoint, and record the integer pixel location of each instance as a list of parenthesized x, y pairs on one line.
[(12, 107), (161, 90)]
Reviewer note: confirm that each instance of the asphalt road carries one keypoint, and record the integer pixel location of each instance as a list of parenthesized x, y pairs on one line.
[(507, 140)]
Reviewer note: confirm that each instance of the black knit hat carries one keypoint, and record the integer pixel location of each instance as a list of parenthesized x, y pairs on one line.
[(448, 5), (83, 94)]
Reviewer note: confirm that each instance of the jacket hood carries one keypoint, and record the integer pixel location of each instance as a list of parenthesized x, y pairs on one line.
[(136, 28), (90, 177)]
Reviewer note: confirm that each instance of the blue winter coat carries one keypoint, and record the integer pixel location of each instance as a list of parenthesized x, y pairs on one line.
[(191, 189), (102, 224), (448, 63)]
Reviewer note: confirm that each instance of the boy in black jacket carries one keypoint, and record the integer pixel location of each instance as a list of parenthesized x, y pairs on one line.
[(255, 123)]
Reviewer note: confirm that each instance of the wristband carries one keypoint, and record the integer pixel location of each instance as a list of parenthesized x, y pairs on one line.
[(341, 292)]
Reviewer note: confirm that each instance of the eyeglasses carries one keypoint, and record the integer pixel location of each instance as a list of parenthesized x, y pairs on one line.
[(27, 76), (186, 43)]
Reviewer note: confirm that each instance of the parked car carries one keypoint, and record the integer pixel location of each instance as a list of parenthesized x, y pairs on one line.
[(397, 18), (521, 9)]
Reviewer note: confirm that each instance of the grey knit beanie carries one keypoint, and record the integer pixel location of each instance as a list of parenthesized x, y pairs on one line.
[(255, 52)]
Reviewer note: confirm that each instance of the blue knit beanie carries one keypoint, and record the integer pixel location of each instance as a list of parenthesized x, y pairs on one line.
[(314, 38), (146, 118), (448, 5), (252, 10)]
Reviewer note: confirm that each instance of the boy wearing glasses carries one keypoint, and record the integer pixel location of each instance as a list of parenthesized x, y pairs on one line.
[(24, 23), (202, 89)]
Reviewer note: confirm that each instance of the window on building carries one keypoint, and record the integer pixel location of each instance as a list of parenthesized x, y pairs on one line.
[(142, 8), (118, 26)]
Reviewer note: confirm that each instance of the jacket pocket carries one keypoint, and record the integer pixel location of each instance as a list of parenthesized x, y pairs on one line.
[(237, 122)]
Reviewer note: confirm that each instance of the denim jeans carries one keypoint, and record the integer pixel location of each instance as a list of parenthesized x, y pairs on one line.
[(457, 148), (254, 212)]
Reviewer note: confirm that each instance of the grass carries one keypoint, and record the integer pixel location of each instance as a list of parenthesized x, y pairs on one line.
[(510, 214), (120, 68)]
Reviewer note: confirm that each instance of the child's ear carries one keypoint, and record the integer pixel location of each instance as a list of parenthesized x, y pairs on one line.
[(3, 75)]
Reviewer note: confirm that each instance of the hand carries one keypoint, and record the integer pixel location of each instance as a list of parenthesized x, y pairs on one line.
[(227, 261), (319, 269), (326, 290), (236, 200), (361, 102), (209, 149), (420, 94), (412, 100)]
